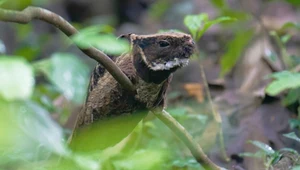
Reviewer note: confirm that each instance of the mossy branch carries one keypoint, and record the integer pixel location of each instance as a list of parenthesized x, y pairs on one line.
[(30, 13)]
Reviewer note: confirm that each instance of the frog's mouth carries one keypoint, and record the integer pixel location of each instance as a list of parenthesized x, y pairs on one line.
[(167, 65)]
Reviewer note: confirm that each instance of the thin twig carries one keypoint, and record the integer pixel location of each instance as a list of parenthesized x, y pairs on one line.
[(30, 13), (187, 139)]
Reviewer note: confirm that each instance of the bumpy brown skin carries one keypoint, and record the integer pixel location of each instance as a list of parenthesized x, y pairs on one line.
[(106, 98)]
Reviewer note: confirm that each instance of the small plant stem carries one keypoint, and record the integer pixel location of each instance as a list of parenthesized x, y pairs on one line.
[(216, 114), (187, 139), (30, 13)]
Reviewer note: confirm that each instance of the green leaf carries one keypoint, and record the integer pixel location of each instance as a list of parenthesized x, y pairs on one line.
[(294, 123), (258, 154), (194, 23), (235, 49), (27, 133), (159, 8), (264, 147), (199, 24), (239, 15), (290, 25), (2, 1), (208, 24), (16, 77), (105, 132), (292, 135), (219, 3), (285, 38), (283, 80), (292, 97), (140, 159), (94, 36), (68, 73), (293, 2)]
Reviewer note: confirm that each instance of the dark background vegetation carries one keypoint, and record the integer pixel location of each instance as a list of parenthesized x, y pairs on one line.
[(251, 65)]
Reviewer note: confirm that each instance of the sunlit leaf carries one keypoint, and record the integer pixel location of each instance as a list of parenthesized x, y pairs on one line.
[(189, 163), (264, 147), (283, 80), (104, 133), (195, 22), (292, 135), (99, 38), (68, 73), (27, 133), (235, 48), (208, 24), (141, 158), (199, 24), (16, 77)]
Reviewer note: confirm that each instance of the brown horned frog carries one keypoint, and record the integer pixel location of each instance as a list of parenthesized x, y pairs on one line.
[(149, 65)]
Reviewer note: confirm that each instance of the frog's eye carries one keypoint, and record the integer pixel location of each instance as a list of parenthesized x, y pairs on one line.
[(163, 43)]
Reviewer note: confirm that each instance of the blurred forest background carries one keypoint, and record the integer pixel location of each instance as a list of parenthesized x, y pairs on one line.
[(250, 56)]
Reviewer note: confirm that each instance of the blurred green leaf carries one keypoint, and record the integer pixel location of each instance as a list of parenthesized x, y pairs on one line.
[(239, 15), (294, 123), (290, 25), (292, 135), (194, 23), (235, 48), (16, 77), (188, 164), (283, 80), (94, 36), (208, 24), (28, 52), (141, 160), (293, 2), (219, 3), (2, 1), (258, 154), (199, 24), (264, 147), (105, 132), (296, 168), (285, 38), (292, 97), (15, 4), (68, 73), (27, 133), (159, 8)]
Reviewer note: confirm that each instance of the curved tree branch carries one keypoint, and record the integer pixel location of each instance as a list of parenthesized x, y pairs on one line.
[(30, 13), (187, 139)]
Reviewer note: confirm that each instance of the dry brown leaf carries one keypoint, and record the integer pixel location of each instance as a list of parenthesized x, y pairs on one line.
[(195, 90)]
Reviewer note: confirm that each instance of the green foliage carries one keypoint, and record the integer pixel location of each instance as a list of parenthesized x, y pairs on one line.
[(219, 3), (68, 73), (266, 153), (235, 49), (199, 24), (16, 77), (159, 8), (283, 81), (101, 38), (293, 136), (293, 2), (27, 133), (264, 147)]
